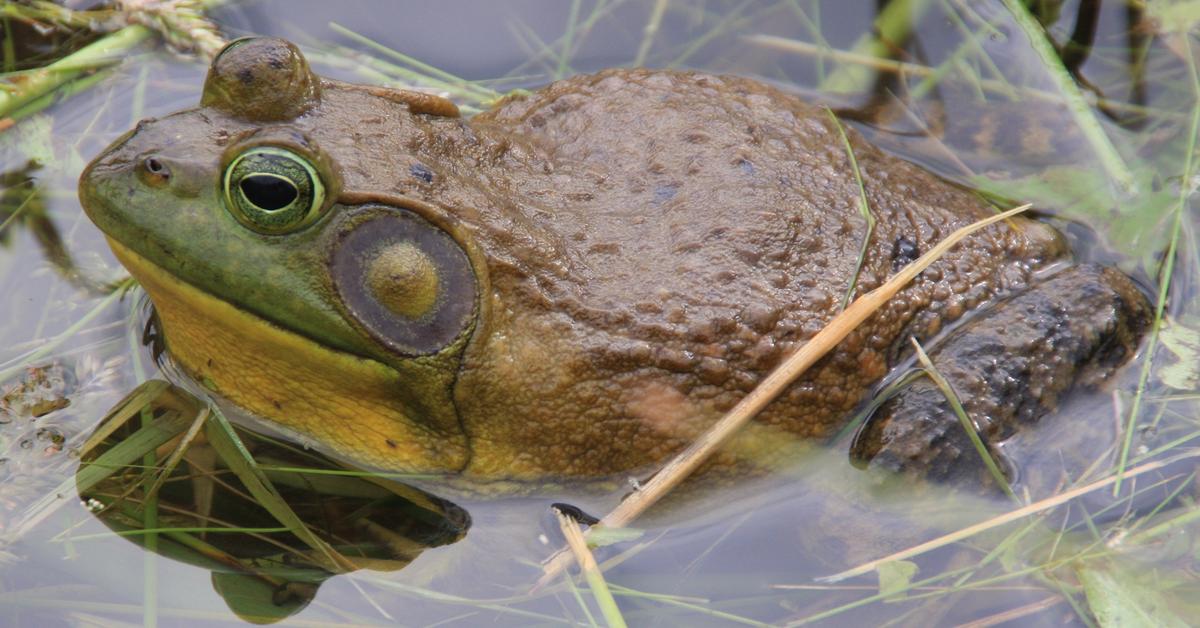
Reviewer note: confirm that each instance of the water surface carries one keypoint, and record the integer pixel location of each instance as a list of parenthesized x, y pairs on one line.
[(743, 553)]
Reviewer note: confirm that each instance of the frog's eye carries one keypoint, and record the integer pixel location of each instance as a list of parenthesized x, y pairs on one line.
[(273, 190)]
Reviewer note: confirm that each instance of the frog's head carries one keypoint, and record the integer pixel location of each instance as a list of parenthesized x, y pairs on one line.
[(290, 270)]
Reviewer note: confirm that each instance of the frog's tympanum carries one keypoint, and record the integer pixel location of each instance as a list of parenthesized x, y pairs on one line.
[(579, 281)]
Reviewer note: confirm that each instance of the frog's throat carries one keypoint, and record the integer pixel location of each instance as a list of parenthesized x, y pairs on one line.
[(342, 402)]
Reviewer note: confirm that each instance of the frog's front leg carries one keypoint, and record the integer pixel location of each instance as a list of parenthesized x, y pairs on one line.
[(1009, 367)]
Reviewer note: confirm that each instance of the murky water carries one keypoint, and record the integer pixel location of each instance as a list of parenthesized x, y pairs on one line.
[(744, 553)]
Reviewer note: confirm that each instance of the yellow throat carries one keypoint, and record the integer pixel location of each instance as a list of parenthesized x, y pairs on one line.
[(348, 404)]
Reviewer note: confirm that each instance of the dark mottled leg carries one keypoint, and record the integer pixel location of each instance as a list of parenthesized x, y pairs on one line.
[(1009, 367)]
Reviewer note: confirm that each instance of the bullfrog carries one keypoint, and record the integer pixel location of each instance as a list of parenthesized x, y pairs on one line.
[(580, 280)]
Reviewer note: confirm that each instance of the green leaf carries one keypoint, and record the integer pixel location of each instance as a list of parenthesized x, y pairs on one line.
[(895, 578)]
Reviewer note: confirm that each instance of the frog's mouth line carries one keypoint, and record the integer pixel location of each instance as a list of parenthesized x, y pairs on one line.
[(346, 402)]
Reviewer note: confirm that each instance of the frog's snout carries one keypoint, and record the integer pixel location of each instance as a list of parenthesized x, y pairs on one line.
[(98, 178), (131, 178)]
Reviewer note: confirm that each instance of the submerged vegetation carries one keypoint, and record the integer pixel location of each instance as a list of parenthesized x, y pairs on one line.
[(1110, 94)]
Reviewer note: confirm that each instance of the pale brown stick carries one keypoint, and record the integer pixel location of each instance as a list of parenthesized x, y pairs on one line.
[(1016, 613), (689, 459), (1008, 517)]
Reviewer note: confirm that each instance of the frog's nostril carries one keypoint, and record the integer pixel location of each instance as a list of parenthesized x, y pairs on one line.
[(154, 172)]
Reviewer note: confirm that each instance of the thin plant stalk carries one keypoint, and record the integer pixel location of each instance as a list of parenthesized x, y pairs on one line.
[(176, 456), (62, 93), (967, 425), (1174, 523), (587, 565), (478, 92), (16, 213), (1164, 281), (864, 207), (1016, 613), (564, 57), (150, 541), (110, 49), (649, 31), (54, 343)]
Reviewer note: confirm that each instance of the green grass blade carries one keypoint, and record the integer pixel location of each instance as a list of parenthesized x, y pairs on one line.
[(967, 424), (1110, 159), (233, 452), (864, 208)]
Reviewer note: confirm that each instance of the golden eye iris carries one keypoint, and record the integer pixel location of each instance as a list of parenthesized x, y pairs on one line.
[(273, 190)]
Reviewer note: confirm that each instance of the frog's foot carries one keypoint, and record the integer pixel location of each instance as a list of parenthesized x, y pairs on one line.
[(1009, 367)]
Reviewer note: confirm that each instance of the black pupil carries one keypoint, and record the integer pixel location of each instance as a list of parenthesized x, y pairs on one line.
[(268, 192)]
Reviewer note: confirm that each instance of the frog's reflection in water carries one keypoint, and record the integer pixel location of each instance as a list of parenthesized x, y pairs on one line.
[(272, 528)]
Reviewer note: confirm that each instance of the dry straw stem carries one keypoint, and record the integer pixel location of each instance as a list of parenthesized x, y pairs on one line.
[(795, 365), (587, 566), (1016, 613), (994, 522)]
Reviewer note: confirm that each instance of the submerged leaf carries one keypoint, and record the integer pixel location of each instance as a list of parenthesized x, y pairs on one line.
[(1183, 341), (601, 536), (1119, 596), (33, 138), (895, 577), (1174, 15)]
